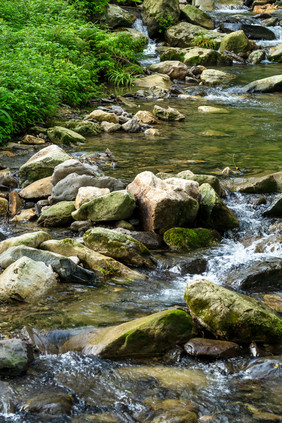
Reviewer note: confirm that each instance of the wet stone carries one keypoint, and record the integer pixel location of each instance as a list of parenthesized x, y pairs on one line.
[(50, 404), (211, 348)]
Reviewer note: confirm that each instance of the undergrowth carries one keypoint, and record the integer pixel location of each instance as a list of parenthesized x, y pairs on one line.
[(50, 54)]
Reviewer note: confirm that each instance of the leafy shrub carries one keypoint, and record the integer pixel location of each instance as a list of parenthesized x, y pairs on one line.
[(202, 41), (165, 22)]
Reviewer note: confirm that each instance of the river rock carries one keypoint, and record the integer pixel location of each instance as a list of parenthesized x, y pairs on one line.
[(4, 206), (202, 179), (258, 185), (173, 68), (265, 85), (26, 280), (95, 261), (132, 125), (110, 127), (184, 239), (273, 301), (15, 357), (101, 116), (211, 109), (275, 53), (262, 276), (67, 270), (149, 239), (61, 135), (86, 194), (31, 140), (38, 189), (58, 215), (216, 77), (156, 13), (256, 56), (159, 80), (15, 203), (117, 205), (183, 35), (83, 127), (237, 42), (50, 404), (164, 204), (275, 209), (258, 32), (213, 212), (205, 57), (196, 16), (73, 166), (115, 16), (147, 336), (7, 181), (24, 215), (145, 117), (42, 164), (67, 188), (170, 113), (152, 132), (33, 239), (211, 348), (119, 246), (230, 315)]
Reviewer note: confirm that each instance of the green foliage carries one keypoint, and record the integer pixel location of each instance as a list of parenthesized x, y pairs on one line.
[(50, 55), (165, 22), (110, 270), (202, 41)]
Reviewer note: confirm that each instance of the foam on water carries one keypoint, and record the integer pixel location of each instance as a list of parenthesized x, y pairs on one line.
[(149, 53)]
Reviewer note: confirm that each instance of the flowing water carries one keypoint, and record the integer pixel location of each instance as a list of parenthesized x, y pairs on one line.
[(233, 390)]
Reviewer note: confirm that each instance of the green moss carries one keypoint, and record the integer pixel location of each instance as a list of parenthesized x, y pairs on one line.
[(184, 239)]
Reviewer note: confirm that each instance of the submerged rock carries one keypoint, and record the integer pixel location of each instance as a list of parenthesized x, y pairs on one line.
[(184, 239), (230, 315), (59, 214), (119, 246), (275, 209), (26, 280), (33, 239), (15, 357), (211, 348), (164, 204), (42, 164), (50, 404), (170, 113), (146, 336), (117, 205), (211, 109)]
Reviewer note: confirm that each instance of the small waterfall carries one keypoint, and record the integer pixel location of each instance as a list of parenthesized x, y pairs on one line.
[(149, 54), (278, 38)]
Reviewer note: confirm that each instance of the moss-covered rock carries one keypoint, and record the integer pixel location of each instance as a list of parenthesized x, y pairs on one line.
[(158, 14), (61, 135), (184, 239), (197, 17), (230, 315), (115, 16), (183, 35), (202, 179), (30, 239), (85, 128), (213, 212), (59, 214), (275, 53), (205, 57), (117, 205), (4, 206), (147, 336), (235, 41), (118, 246)]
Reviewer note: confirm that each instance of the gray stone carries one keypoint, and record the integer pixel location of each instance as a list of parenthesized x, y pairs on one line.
[(15, 357), (67, 270), (183, 35), (256, 57), (149, 239), (211, 348), (170, 113), (115, 16), (61, 135), (158, 12), (196, 16), (83, 127), (275, 209), (265, 85), (73, 166), (67, 188), (275, 53), (132, 125), (216, 77)]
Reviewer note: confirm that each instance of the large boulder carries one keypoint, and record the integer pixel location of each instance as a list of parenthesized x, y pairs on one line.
[(164, 204), (157, 80), (42, 164), (196, 16), (117, 205), (205, 57), (103, 266), (184, 33), (184, 239), (265, 85), (173, 68), (258, 185), (147, 336), (26, 280), (38, 189), (66, 189), (61, 135), (73, 166), (58, 215), (67, 270), (237, 42), (159, 13), (213, 212), (275, 53), (216, 77), (170, 113), (32, 239), (119, 246), (258, 32), (230, 315), (115, 16), (15, 357)]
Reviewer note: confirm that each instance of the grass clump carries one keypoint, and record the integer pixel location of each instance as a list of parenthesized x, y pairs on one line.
[(49, 55)]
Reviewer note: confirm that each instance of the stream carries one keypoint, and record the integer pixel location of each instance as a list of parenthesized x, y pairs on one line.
[(245, 389)]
